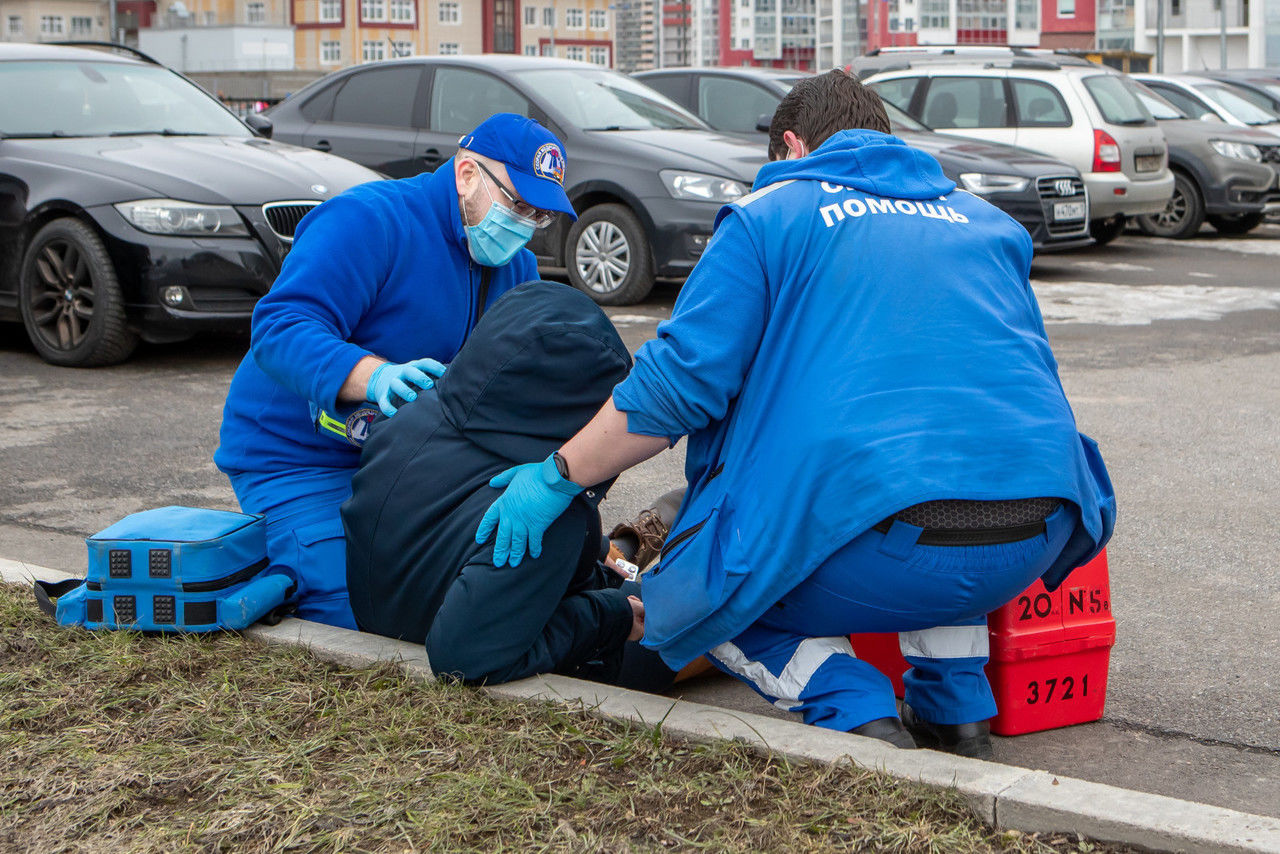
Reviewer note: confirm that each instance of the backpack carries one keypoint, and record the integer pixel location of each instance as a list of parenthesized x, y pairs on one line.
[(173, 569)]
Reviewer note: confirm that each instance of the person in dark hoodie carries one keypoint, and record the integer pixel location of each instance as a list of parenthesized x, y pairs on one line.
[(878, 438), (537, 367)]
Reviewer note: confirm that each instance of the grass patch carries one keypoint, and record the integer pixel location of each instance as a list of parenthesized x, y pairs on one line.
[(113, 741)]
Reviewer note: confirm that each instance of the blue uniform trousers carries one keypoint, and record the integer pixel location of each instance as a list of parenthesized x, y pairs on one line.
[(304, 535), (798, 656)]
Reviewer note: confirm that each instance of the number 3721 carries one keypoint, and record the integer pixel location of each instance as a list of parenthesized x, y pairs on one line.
[(1049, 690)]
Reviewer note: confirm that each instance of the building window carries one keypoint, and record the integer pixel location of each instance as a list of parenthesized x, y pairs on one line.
[(531, 16), (548, 17), (330, 52), (575, 51), (210, 18), (402, 11), (330, 10), (599, 19), (450, 13), (531, 50), (448, 48), (373, 10), (372, 50), (255, 13), (1066, 8), (51, 25), (548, 50), (1175, 8), (14, 25), (574, 19), (600, 56), (401, 49), (81, 26)]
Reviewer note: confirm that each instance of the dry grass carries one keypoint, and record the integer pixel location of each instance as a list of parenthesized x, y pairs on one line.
[(114, 741)]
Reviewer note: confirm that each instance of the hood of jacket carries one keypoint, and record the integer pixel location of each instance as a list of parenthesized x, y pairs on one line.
[(866, 160), (539, 365)]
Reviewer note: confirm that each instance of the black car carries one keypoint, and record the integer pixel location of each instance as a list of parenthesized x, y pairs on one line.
[(1028, 186), (1258, 85), (645, 176), (134, 205)]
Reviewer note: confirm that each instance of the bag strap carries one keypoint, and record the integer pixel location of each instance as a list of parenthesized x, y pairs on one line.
[(47, 591)]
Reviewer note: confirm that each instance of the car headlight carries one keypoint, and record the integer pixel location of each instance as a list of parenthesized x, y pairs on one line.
[(983, 183), (700, 187), (1238, 150), (183, 219)]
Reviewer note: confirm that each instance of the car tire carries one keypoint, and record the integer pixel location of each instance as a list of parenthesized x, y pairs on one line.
[(1182, 216), (1237, 223), (608, 257), (1103, 231), (70, 298)]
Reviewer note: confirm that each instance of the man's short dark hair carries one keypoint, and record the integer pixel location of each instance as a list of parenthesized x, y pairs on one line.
[(822, 105)]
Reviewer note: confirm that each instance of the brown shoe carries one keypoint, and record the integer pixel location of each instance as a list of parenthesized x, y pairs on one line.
[(640, 540)]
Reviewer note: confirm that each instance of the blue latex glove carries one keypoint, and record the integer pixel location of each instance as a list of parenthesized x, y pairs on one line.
[(535, 497), (391, 379)]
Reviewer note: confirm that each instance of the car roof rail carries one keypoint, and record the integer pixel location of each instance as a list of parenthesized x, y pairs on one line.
[(116, 46)]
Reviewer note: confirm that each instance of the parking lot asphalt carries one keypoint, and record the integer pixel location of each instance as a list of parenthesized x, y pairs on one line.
[(1169, 351)]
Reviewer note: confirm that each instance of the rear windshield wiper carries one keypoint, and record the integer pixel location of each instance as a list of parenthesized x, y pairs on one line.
[(1132, 122), (161, 132), (59, 134)]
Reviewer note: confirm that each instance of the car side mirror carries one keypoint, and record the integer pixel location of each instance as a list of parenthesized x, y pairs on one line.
[(259, 124), (762, 123)]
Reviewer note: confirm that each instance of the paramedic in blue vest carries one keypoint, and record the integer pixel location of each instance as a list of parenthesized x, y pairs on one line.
[(383, 285), (878, 438)]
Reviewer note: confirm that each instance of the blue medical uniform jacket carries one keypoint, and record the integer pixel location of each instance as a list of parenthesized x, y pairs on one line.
[(381, 269), (859, 337)]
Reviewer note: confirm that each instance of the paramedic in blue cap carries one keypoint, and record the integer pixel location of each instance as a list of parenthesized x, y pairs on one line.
[(381, 288), (878, 438)]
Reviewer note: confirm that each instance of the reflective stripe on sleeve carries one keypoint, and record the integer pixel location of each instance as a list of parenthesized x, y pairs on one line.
[(787, 686)]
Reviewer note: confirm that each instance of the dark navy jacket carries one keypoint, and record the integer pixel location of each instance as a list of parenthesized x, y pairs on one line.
[(538, 366)]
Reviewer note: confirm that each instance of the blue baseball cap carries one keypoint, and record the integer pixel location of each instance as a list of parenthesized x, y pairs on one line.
[(533, 156)]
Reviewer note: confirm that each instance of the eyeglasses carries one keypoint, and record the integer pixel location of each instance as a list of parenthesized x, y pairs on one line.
[(539, 217)]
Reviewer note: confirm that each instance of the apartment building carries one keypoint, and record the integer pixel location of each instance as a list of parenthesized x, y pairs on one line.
[(635, 35), (1193, 33), (54, 20), (570, 29), (778, 33)]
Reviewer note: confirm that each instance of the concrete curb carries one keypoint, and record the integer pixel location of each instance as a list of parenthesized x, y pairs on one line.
[(1002, 795)]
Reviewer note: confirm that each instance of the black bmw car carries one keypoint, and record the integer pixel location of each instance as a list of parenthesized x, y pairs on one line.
[(135, 206), (1034, 189)]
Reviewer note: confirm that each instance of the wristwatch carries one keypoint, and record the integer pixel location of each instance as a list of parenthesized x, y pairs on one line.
[(562, 465)]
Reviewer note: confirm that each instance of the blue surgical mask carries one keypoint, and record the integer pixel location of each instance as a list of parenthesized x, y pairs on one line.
[(496, 238)]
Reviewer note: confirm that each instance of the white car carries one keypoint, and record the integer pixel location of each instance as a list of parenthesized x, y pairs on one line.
[(1211, 100), (1067, 108)]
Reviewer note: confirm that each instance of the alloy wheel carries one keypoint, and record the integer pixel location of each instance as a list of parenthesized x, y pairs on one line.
[(61, 302), (603, 256), (1174, 213)]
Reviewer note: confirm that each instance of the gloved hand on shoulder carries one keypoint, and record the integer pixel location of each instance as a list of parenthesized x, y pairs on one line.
[(394, 380), (536, 494)]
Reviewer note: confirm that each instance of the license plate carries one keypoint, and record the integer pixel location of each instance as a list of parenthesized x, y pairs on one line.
[(1064, 211), (1149, 162)]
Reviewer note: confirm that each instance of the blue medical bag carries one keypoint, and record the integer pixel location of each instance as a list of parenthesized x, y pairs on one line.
[(172, 569)]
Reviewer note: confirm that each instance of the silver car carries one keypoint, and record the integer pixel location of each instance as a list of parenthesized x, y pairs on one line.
[(1069, 109)]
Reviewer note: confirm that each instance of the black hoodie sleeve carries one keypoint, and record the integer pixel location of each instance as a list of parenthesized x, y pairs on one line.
[(497, 624)]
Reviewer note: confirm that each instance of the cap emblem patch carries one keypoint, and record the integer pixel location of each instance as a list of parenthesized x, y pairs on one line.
[(549, 163)]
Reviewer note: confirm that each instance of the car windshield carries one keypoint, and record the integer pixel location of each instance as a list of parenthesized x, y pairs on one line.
[(41, 99), (606, 100), (1226, 97), (1156, 105), (1117, 104), (1258, 99)]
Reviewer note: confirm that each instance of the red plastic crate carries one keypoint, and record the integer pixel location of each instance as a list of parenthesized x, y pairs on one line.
[(1049, 653)]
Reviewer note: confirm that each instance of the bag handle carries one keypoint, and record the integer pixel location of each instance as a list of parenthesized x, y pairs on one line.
[(47, 591)]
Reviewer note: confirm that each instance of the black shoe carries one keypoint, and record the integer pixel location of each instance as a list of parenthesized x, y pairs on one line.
[(971, 739), (887, 729)]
